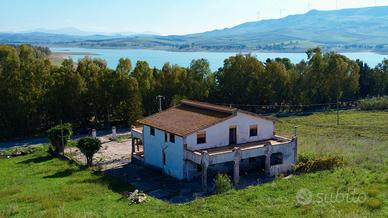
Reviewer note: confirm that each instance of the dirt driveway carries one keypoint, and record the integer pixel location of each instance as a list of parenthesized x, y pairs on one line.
[(113, 154)]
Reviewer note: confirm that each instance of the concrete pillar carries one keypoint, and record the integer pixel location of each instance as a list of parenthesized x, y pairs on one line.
[(295, 133), (94, 133), (268, 154), (137, 144), (133, 145), (295, 141), (237, 159), (204, 164), (114, 133)]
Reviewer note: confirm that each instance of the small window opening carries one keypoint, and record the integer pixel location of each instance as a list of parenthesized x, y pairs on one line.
[(276, 158), (252, 130), (172, 138), (201, 138)]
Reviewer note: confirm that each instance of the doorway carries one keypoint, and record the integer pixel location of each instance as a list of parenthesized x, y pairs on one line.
[(232, 135)]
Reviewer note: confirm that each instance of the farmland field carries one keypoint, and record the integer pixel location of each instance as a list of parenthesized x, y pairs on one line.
[(38, 185)]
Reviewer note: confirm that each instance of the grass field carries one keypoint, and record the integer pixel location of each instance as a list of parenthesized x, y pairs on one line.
[(37, 185)]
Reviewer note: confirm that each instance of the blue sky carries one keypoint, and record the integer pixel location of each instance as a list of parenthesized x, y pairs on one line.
[(160, 16)]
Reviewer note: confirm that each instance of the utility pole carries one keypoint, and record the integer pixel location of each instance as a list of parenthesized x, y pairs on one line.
[(160, 97), (63, 142)]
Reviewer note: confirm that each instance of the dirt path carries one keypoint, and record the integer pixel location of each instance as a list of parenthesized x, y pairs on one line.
[(112, 154)]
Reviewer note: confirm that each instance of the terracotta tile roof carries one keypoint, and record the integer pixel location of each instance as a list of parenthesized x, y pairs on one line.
[(189, 117)]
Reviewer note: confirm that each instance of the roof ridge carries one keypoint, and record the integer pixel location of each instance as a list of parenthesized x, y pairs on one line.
[(209, 106), (256, 115)]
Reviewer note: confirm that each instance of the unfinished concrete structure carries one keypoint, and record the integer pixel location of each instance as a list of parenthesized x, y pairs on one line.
[(185, 140)]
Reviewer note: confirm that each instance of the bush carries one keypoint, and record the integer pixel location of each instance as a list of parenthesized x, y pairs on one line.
[(55, 137), (222, 183), (88, 147), (378, 103), (373, 203), (307, 164), (20, 151)]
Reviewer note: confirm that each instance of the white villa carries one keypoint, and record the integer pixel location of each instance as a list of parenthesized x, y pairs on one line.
[(185, 140)]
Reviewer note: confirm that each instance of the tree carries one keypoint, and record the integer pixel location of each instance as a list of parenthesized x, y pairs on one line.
[(64, 97), (10, 93), (242, 79), (146, 81), (59, 136), (381, 74), (124, 66), (199, 80), (88, 147)]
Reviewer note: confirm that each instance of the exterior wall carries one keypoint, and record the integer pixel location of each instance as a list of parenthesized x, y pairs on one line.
[(218, 135), (175, 158), (153, 152)]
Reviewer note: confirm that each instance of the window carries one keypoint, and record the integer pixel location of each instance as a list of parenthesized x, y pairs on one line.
[(276, 159), (172, 138), (252, 130), (201, 138), (165, 137), (164, 158), (152, 131)]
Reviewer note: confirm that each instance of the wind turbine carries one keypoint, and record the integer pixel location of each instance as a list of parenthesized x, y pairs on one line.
[(281, 12)]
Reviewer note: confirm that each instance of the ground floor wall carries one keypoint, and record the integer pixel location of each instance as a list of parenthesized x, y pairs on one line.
[(270, 159), (162, 154)]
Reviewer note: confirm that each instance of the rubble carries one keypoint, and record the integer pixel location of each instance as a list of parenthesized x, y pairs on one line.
[(136, 197)]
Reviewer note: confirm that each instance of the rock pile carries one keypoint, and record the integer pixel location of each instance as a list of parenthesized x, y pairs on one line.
[(136, 197)]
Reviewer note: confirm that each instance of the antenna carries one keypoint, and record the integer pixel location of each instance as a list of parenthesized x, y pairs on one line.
[(308, 5), (375, 3), (336, 4)]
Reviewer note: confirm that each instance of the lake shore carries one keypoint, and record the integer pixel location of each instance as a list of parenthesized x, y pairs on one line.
[(71, 53), (57, 57), (157, 57), (232, 51)]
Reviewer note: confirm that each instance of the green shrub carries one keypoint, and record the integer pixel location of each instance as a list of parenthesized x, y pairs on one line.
[(222, 183), (373, 192), (378, 103), (19, 151), (55, 137), (373, 203), (88, 147), (307, 164)]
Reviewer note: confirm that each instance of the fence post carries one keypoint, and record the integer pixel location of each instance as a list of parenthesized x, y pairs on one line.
[(94, 133), (337, 112)]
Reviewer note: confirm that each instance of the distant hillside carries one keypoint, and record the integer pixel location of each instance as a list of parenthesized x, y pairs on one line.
[(360, 29)]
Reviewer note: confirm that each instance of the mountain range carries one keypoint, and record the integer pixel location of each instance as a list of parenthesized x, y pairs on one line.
[(358, 29)]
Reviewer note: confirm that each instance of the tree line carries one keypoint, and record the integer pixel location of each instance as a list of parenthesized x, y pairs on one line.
[(35, 94)]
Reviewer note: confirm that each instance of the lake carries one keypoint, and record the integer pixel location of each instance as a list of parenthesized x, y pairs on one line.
[(157, 58)]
